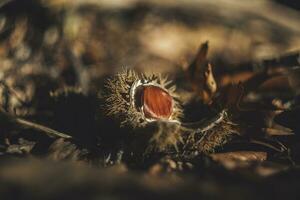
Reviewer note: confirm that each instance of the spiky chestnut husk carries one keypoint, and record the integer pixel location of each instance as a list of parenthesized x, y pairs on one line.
[(120, 97), (166, 137), (215, 134), (127, 96), (206, 138), (146, 109)]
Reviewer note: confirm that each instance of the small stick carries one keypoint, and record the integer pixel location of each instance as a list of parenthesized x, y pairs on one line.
[(48, 131), (25, 123)]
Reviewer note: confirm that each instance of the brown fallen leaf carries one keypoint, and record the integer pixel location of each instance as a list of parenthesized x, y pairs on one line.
[(231, 96), (200, 74), (239, 159)]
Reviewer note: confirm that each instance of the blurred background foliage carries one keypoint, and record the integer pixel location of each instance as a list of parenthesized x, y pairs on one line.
[(100, 35)]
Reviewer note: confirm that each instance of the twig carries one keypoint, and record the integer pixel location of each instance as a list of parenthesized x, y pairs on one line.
[(25, 123), (48, 131)]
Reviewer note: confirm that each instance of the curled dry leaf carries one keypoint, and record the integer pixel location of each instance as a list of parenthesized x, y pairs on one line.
[(209, 85), (200, 74)]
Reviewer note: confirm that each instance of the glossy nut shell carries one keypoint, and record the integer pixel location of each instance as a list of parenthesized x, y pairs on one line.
[(157, 103)]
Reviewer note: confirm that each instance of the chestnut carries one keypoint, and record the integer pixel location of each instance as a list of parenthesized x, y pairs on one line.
[(156, 103)]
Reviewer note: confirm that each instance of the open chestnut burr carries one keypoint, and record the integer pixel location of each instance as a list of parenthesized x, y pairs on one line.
[(137, 100)]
